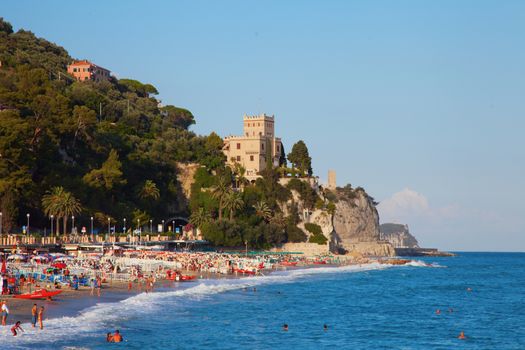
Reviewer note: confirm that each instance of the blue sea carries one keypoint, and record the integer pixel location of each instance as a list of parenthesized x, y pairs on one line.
[(369, 307)]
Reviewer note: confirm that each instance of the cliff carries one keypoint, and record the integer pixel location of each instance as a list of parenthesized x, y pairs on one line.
[(398, 235), (354, 227)]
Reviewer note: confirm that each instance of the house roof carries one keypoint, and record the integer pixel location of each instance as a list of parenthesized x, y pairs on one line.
[(86, 62)]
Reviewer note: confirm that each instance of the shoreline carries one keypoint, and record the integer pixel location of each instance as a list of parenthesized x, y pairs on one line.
[(71, 303)]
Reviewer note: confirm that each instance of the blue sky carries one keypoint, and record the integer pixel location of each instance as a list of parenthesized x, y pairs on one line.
[(419, 102)]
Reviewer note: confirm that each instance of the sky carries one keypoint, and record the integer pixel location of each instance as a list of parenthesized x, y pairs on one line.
[(419, 102)]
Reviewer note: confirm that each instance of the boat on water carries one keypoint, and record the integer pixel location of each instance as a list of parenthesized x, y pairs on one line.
[(38, 294)]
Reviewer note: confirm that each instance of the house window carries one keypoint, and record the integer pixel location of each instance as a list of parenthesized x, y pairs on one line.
[(238, 146), (278, 149), (262, 146), (247, 134), (238, 158), (260, 133), (251, 158)]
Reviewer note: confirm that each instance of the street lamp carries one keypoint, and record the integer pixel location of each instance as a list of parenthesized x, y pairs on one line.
[(138, 227), (0, 222), (51, 218), (27, 229), (151, 227), (124, 225), (72, 224), (109, 227), (162, 226)]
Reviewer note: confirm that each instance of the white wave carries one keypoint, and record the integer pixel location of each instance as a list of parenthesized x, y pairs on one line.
[(419, 263), (101, 317)]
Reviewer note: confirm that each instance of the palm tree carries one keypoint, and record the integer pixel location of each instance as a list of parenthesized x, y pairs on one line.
[(233, 202), (220, 192), (149, 190), (240, 179), (51, 204), (200, 217), (69, 206), (263, 211)]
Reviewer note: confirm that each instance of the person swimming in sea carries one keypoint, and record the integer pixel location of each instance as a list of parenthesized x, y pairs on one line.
[(285, 327), (117, 338), (109, 337), (325, 327), (16, 328), (462, 336)]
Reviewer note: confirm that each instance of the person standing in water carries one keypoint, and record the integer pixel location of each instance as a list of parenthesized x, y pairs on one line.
[(41, 317), (34, 314), (5, 312)]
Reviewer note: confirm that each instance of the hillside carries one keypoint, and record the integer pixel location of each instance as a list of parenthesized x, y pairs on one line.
[(108, 143)]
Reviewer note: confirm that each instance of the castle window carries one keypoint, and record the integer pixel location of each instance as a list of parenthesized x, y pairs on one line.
[(251, 158), (238, 158), (262, 146), (238, 146)]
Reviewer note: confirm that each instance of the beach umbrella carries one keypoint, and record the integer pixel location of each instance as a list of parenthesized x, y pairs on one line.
[(16, 257), (59, 265), (64, 258)]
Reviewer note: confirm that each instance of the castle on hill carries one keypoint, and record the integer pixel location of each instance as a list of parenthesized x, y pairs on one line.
[(252, 149)]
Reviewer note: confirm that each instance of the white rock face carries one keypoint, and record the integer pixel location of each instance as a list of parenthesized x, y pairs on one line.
[(353, 227)]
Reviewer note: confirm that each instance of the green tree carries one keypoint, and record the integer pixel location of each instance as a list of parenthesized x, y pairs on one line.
[(149, 191), (233, 202), (263, 211), (220, 192), (62, 204), (199, 218), (300, 158), (109, 176)]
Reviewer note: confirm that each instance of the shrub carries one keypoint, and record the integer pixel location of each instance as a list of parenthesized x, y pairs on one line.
[(319, 239), (313, 229), (295, 234)]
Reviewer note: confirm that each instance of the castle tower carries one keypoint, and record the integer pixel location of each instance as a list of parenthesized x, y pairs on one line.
[(332, 180)]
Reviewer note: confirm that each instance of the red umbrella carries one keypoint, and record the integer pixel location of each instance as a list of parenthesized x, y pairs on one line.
[(59, 265)]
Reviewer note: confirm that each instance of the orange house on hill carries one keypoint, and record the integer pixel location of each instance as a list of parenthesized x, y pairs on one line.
[(85, 70)]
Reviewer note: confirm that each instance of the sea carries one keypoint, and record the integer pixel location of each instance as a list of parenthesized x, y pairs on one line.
[(371, 306)]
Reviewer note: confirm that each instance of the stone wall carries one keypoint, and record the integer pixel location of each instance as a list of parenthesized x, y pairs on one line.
[(308, 249)]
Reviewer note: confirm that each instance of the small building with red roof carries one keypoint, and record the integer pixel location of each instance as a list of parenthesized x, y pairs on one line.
[(85, 70)]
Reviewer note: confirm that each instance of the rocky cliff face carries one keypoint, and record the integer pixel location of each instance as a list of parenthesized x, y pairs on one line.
[(398, 235), (353, 228), (356, 226)]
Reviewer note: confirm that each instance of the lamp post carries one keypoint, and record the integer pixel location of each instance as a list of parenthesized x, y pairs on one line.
[(72, 224), (173, 228), (109, 228), (92, 228), (151, 227), (138, 228), (0, 223), (27, 229), (51, 218), (124, 225), (162, 226)]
